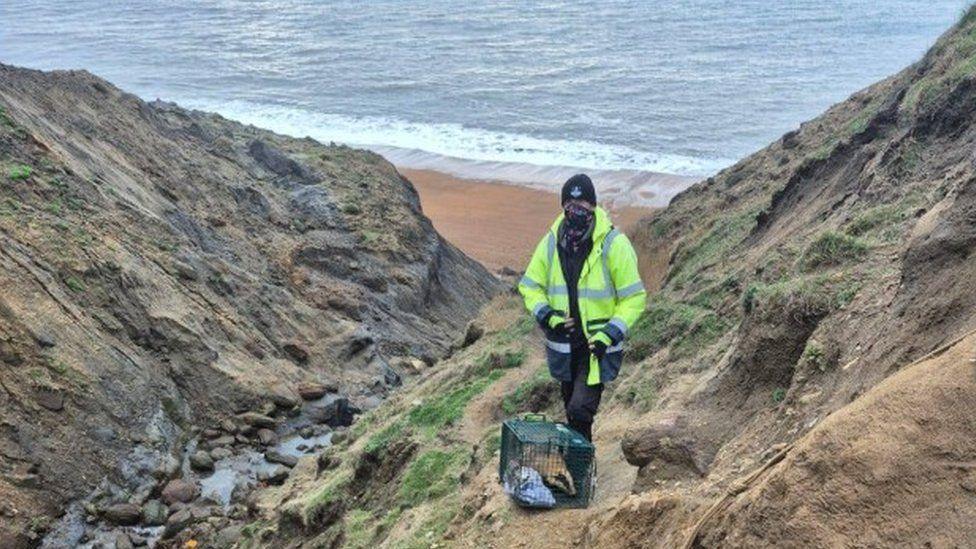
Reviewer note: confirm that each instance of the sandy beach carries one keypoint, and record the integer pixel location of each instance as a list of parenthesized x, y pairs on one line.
[(496, 223)]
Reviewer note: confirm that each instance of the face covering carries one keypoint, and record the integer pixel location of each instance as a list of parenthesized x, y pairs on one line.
[(579, 220)]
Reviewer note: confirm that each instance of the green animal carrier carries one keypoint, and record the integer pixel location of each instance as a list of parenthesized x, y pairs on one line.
[(545, 464)]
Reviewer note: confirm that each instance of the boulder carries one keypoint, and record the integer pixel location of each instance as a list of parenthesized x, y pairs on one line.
[(179, 490), (312, 391), (267, 437), (225, 440), (49, 398), (122, 541), (276, 475), (218, 454), (229, 426), (154, 513), (255, 419), (274, 456), (177, 522), (167, 468), (284, 398), (123, 514), (201, 461), (669, 446)]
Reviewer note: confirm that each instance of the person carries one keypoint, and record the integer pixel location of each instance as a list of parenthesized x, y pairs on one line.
[(583, 288)]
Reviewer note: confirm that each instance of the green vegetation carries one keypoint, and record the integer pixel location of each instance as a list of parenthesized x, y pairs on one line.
[(726, 232), (831, 249), (685, 327), (640, 391), (877, 217), (358, 534), (434, 526), (504, 360), (5, 119), (814, 356), (959, 55), (446, 409), (861, 120), (351, 208), (516, 331), (74, 284), (19, 172), (779, 395), (333, 490), (380, 440), (809, 296), (432, 475), (516, 402)]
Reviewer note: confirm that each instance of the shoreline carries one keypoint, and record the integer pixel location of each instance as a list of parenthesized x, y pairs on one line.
[(496, 223)]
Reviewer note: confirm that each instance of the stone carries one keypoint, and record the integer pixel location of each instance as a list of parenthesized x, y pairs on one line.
[(670, 444), (218, 454), (123, 514), (225, 440), (49, 398), (284, 398), (154, 513), (179, 490), (276, 475), (267, 437), (201, 461), (229, 426), (177, 522), (230, 535), (274, 456), (122, 541), (255, 419), (312, 391), (167, 468), (296, 353), (210, 433), (306, 432)]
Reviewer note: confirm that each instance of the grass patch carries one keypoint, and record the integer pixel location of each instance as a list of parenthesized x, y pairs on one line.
[(380, 440), (517, 401), (351, 208), (333, 490), (640, 393), (443, 410), (814, 356), (19, 172), (74, 284), (685, 327), (778, 395), (874, 218), (504, 360), (726, 232), (434, 526), (832, 248), (516, 331), (805, 297), (432, 475), (358, 534)]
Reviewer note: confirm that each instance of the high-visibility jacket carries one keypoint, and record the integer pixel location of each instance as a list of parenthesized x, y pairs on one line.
[(611, 297)]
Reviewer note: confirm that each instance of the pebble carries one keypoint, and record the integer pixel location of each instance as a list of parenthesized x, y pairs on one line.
[(201, 461)]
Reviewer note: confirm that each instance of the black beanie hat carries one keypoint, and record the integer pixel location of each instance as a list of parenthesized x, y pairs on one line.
[(579, 187)]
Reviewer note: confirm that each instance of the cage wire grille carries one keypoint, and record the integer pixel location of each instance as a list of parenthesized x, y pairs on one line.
[(546, 464)]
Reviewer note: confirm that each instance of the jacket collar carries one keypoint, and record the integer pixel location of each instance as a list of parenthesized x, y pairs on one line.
[(601, 226)]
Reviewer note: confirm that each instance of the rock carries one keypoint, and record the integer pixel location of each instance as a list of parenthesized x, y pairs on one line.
[(154, 513), (276, 475), (179, 490), (201, 461), (122, 541), (210, 433), (230, 535), (670, 444), (284, 398), (44, 339), (142, 493), (255, 419), (225, 440), (49, 398), (306, 432), (167, 468), (218, 454), (336, 413), (267, 437), (123, 514), (229, 426), (274, 456), (296, 353), (138, 541), (312, 391), (177, 522)]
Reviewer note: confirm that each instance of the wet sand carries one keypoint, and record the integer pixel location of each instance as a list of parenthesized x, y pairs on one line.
[(496, 223)]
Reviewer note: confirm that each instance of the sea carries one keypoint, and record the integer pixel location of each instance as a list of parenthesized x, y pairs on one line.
[(645, 95)]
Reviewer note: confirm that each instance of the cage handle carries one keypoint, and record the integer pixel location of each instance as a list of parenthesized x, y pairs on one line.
[(534, 417)]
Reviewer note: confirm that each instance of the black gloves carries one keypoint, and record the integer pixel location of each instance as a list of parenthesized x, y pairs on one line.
[(598, 348)]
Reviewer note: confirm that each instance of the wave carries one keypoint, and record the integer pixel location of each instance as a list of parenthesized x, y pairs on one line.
[(623, 174)]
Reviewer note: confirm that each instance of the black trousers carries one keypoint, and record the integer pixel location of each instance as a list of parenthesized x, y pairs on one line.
[(581, 400)]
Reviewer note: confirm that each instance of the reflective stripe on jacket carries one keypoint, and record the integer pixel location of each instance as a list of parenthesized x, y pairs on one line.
[(611, 296)]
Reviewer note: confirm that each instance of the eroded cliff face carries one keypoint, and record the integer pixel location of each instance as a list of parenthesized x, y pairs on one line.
[(162, 268)]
